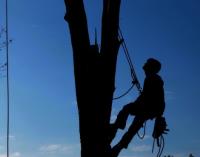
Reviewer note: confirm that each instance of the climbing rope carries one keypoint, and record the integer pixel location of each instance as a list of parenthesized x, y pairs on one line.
[(125, 93), (132, 71), (160, 144)]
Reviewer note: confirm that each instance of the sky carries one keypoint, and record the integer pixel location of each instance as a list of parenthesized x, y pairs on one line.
[(43, 111)]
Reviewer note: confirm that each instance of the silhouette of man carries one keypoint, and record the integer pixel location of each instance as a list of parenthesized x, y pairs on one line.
[(150, 104)]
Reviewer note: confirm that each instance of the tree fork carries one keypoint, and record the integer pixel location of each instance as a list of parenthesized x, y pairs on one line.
[(94, 74)]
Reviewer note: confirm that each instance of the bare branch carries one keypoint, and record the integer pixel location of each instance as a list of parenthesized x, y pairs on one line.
[(76, 18), (110, 25)]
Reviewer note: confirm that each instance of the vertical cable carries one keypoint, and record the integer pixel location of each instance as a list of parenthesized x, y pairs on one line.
[(7, 81)]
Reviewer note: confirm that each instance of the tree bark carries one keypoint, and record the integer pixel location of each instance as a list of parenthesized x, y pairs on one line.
[(94, 74)]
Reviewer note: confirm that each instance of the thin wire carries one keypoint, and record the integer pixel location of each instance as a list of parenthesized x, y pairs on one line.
[(7, 80)]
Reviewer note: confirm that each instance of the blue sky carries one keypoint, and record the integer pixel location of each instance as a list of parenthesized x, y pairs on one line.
[(44, 119)]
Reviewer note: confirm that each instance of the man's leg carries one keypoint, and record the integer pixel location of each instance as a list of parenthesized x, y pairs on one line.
[(126, 139), (123, 115), (133, 129), (120, 121)]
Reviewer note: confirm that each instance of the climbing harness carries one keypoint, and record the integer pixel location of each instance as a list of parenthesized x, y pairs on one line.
[(160, 128), (133, 74)]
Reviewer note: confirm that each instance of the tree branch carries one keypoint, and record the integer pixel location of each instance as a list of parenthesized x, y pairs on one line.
[(76, 18), (110, 26), (109, 39)]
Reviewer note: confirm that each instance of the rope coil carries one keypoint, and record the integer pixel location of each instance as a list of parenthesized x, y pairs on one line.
[(160, 144)]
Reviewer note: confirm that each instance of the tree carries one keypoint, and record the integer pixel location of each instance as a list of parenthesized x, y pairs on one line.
[(94, 70)]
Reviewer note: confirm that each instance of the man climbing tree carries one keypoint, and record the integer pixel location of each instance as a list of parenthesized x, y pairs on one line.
[(150, 104), (94, 70)]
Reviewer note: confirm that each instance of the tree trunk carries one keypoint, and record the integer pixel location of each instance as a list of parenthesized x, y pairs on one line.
[(94, 71)]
